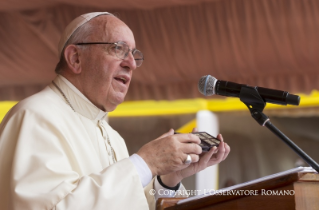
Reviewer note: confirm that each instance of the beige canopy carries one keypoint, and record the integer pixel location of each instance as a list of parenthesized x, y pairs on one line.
[(270, 43)]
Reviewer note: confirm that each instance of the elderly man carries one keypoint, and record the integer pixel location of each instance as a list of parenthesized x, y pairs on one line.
[(58, 152)]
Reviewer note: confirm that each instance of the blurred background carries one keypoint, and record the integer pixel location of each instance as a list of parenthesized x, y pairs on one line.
[(267, 43)]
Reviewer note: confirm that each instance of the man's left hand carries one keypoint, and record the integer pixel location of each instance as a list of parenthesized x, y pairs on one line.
[(214, 156)]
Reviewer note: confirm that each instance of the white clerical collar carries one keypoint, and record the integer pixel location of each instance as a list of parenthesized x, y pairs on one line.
[(74, 88), (79, 102)]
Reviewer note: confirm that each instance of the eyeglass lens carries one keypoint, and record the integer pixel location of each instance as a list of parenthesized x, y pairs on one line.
[(122, 51)]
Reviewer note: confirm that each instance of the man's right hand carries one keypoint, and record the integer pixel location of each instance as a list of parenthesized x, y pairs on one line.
[(167, 153)]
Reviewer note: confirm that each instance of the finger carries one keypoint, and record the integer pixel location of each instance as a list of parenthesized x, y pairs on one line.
[(188, 138), (227, 150), (221, 152), (191, 148), (169, 133), (220, 137), (195, 130), (208, 155), (195, 158)]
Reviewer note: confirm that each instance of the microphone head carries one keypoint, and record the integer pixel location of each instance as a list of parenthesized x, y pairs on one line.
[(206, 85)]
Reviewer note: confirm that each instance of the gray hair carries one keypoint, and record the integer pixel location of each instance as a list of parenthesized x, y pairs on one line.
[(80, 35)]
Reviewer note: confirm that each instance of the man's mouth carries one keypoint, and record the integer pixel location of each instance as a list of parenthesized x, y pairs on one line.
[(121, 79)]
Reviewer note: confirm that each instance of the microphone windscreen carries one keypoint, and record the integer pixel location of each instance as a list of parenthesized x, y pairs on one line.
[(206, 85)]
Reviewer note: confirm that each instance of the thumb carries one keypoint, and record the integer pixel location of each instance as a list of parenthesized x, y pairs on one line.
[(169, 133)]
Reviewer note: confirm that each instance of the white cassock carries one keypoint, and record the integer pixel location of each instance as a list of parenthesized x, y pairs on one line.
[(52, 157)]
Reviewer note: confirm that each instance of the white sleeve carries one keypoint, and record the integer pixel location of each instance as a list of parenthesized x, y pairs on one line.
[(145, 175), (142, 168), (116, 187)]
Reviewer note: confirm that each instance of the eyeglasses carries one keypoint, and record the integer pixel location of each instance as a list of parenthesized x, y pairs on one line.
[(121, 50)]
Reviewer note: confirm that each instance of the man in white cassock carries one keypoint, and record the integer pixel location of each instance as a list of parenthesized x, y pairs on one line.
[(58, 152)]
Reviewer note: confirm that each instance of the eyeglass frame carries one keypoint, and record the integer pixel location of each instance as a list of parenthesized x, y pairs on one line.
[(130, 50)]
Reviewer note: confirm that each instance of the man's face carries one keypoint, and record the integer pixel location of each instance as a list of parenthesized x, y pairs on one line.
[(105, 78)]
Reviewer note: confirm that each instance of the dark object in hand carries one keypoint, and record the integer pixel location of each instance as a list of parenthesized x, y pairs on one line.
[(207, 141)]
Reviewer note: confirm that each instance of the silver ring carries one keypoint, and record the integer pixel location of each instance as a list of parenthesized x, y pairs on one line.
[(188, 160)]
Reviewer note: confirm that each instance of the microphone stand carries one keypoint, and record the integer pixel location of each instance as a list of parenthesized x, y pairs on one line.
[(255, 103)]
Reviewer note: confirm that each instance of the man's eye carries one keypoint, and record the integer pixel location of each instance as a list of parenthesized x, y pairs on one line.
[(112, 49), (119, 48)]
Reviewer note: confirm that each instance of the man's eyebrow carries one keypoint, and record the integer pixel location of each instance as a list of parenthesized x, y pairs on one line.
[(127, 44)]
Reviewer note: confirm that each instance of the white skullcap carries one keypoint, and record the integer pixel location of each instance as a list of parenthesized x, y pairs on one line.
[(75, 24)]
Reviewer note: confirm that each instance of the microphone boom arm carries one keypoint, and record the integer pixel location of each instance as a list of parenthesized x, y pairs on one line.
[(255, 103)]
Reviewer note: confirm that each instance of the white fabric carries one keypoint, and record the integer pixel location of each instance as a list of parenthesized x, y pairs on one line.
[(70, 85), (75, 24), (54, 158), (143, 170)]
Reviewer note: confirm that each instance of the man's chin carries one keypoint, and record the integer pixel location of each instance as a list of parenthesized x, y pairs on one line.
[(111, 106)]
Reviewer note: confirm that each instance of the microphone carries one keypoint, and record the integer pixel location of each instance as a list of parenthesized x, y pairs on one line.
[(209, 85)]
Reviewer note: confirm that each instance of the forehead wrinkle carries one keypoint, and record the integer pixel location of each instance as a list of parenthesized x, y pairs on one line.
[(106, 26), (99, 28)]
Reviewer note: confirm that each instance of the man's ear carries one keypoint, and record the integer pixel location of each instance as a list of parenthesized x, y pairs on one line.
[(72, 58)]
